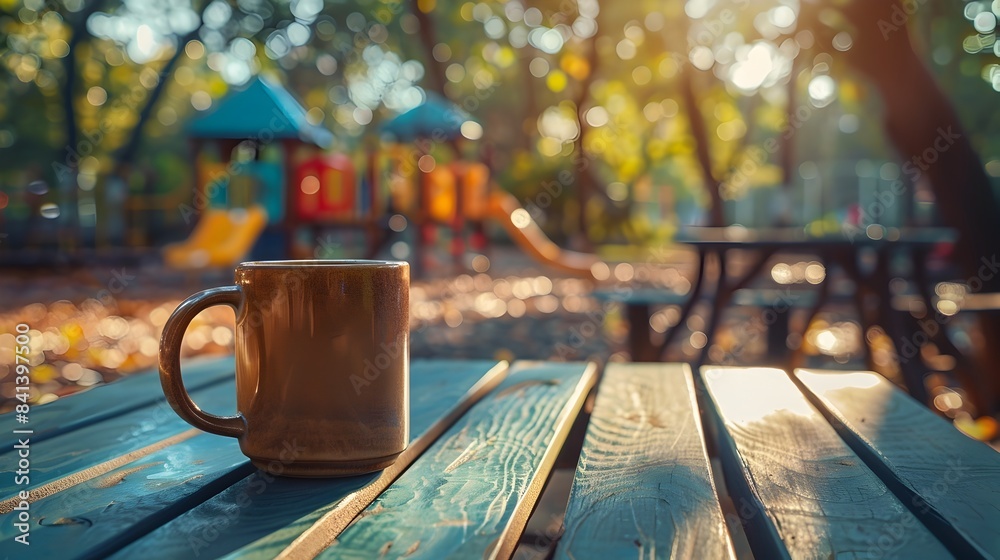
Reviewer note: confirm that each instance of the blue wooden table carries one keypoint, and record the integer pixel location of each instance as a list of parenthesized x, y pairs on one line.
[(841, 249), (722, 462)]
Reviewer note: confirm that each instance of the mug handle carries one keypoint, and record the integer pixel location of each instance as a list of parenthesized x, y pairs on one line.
[(170, 362)]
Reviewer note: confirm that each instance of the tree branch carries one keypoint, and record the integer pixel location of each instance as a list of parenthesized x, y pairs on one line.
[(699, 131), (787, 141), (125, 155), (584, 178), (78, 36), (428, 37)]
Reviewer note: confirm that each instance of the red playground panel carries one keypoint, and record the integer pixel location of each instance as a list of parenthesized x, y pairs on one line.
[(325, 189)]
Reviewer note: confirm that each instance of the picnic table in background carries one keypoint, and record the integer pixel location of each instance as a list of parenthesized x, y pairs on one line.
[(816, 465), (842, 250)]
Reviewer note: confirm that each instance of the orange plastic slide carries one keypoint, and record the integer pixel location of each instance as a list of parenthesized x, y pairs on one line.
[(505, 209), (221, 239)]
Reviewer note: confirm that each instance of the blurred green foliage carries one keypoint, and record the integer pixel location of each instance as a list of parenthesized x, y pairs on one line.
[(560, 86)]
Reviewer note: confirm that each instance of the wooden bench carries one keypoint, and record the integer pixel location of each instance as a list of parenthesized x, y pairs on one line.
[(815, 465), (639, 305), (969, 303)]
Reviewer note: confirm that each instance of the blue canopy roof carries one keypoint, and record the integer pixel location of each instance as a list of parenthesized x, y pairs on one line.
[(435, 117), (259, 110)]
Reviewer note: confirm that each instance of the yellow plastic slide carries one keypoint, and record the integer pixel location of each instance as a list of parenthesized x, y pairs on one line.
[(221, 239), (505, 209)]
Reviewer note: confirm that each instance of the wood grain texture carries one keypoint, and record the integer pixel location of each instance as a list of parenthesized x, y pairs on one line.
[(102, 515), (949, 480), (644, 486), (98, 443), (801, 492), (470, 495), (90, 473), (137, 391), (274, 511), (97, 517)]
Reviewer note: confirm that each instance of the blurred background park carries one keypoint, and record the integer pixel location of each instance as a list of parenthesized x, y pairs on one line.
[(544, 164)]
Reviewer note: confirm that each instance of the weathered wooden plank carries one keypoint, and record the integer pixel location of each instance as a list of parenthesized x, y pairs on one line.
[(76, 472), (471, 494), (137, 391), (801, 492), (948, 480), (66, 454), (644, 486), (98, 516), (274, 511)]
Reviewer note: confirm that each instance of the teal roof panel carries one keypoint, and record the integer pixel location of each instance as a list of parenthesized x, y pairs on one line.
[(261, 110)]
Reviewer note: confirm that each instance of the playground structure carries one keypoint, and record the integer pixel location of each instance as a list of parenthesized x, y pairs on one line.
[(220, 238), (523, 230), (267, 188)]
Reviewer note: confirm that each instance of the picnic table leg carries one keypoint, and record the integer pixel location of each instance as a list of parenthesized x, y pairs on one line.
[(913, 369), (796, 356), (850, 266), (866, 326), (692, 301), (724, 292), (965, 367), (721, 299), (777, 332), (640, 345), (901, 328), (755, 270)]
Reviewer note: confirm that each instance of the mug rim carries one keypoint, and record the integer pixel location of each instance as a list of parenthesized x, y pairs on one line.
[(324, 263)]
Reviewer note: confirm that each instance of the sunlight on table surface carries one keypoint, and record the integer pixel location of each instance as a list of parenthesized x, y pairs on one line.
[(824, 383), (744, 396)]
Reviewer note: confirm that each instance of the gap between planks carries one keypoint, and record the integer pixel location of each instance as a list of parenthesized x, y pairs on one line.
[(925, 512), (56, 486), (774, 509), (325, 530), (506, 543), (135, 382), (724, 494)]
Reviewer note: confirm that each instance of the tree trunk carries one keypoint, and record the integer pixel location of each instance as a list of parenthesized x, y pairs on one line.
[(584, 167), (699, 131), (530, 105), (787, 141), (70, 155), (428, 37), (126, 154), (924, 127)]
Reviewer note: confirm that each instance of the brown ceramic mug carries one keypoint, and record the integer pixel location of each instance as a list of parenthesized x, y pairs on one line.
[(322, 374)]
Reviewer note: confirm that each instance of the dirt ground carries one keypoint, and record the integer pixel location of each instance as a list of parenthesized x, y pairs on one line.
[(95, 324)]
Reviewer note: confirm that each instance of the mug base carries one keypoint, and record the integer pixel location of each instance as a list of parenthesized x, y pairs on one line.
[(323, 469)]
